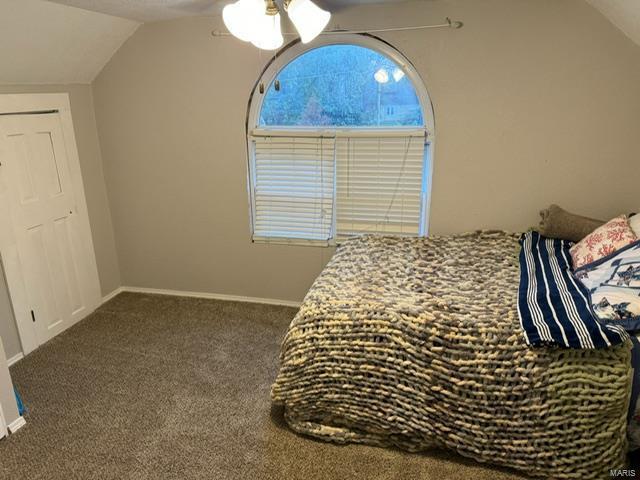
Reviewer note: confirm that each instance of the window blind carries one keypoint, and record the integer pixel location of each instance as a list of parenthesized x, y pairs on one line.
[(293, 187), (315, 186), (379, 184)]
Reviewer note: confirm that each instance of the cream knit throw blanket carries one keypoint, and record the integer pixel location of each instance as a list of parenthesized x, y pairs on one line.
[(415, 343)]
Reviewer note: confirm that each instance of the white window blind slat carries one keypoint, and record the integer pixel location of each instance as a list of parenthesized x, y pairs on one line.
[(315, 188), (293, 190), (379, 185)]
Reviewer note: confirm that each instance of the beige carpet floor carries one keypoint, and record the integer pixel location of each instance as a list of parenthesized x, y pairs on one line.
[(154, 387)]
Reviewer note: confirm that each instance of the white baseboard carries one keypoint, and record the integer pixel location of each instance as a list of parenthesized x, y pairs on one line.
[(109, 296), (16, 358), (17, 424), (214, 296)]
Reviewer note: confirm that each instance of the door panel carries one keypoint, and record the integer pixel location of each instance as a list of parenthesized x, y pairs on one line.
[(63, 230), (42, 283), (50, 167), (17, 144), (53, 252)]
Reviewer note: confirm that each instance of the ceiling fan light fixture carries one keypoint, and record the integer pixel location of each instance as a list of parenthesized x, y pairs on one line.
[(267, 34), (241, 18), (308, 18)]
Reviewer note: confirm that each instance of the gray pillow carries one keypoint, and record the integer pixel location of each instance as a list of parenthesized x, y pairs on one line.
[(558, 223)]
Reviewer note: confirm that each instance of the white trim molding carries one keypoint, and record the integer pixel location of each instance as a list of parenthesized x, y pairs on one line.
[(16, 425), (15, 359), (212, 296), (286, 56), (3, 426), (111, 295), (296, 49)]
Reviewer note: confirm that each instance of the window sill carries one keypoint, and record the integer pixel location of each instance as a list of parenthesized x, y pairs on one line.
[(298, 242)]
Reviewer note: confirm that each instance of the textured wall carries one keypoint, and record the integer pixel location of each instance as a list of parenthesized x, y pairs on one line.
[(536, 101)]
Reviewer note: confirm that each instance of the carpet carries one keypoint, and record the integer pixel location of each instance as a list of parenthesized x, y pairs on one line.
[(159, 387)]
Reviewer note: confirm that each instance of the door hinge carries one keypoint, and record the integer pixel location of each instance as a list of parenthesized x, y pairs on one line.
[(33, 316)]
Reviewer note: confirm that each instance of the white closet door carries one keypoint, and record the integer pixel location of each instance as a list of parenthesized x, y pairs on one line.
[(56, 257)]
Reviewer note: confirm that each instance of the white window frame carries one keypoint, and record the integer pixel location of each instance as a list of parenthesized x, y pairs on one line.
[(295, 49)]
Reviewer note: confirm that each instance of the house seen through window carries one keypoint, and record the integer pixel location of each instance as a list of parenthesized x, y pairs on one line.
[(339, 146)]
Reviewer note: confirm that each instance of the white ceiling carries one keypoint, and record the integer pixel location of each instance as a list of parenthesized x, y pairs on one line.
[(47, 42), (42, 42), (624, 14), (155, 10), (148, 10)]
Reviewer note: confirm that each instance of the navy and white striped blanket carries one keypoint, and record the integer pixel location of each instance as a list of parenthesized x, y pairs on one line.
[(553, 306)]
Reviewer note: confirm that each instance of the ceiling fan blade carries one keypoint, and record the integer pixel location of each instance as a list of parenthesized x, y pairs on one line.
[(198, 7)]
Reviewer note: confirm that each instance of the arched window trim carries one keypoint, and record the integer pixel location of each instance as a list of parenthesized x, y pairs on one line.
[(294, 50)]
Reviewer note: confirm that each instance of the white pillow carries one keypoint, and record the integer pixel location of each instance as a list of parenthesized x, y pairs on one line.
[(634, 223)]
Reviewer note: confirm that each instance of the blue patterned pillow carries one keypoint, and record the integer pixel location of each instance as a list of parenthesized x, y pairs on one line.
[(614, 285)]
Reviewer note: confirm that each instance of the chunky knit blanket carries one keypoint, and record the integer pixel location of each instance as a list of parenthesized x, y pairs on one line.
[(415, 343)]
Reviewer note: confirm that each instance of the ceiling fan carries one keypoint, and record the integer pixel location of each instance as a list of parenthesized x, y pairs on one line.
[(258, 21)]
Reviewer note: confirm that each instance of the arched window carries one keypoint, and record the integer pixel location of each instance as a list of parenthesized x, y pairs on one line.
[(340, 143)]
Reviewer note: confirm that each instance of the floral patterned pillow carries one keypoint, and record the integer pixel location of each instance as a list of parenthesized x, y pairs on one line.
[(603, 241)]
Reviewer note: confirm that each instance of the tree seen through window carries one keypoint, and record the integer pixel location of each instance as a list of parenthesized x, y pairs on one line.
[(341, 86)]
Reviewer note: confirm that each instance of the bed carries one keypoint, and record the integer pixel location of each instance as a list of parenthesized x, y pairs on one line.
[(415, 343)]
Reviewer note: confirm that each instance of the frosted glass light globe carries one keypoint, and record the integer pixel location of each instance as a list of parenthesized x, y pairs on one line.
[(308, 18), (267, 34), (242, 16)]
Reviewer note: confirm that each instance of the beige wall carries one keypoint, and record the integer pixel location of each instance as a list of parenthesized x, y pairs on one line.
[(536, 101), (84, 124)]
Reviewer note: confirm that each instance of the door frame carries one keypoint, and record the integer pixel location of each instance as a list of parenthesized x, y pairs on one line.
[(40, 103), (3, 425)]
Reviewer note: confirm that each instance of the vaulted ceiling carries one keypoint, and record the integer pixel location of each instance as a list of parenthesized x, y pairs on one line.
[(43, 42), (624, 14), (154, 10), (148, 10), (69, 41)]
